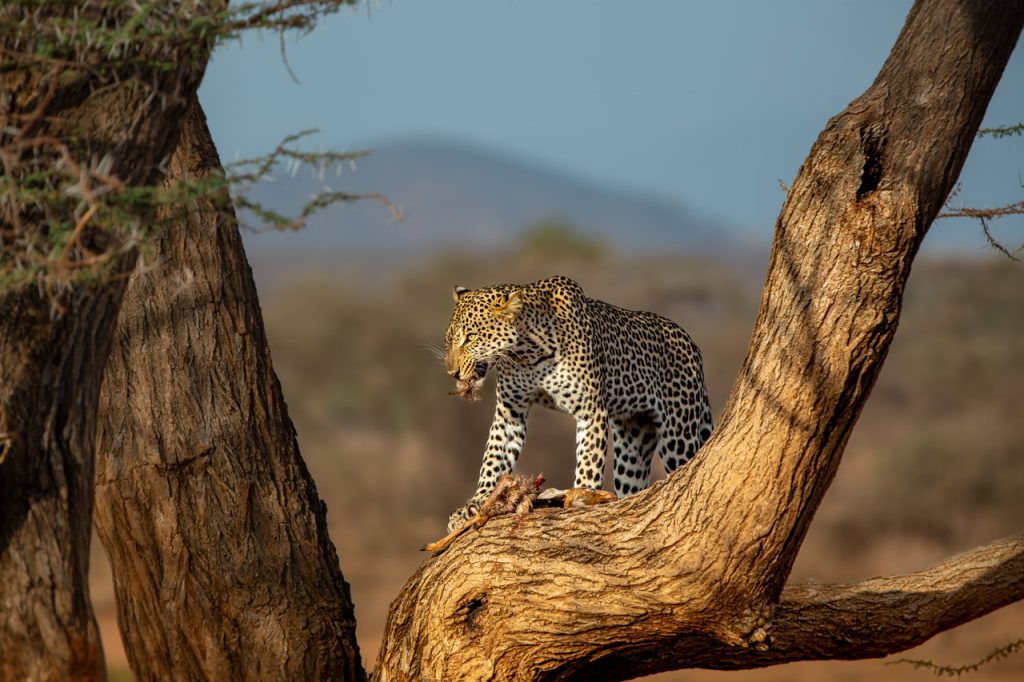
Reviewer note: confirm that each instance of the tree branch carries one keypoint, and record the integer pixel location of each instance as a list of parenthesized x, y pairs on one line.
[(870, 619), (882, 616)]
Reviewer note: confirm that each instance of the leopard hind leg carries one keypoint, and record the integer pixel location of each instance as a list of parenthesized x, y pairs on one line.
[(683, 428), (634, 439)]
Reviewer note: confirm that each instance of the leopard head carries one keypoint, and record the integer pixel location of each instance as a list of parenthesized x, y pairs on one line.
[(481, 332)]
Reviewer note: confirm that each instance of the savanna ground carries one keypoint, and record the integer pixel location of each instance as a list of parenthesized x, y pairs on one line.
[(933, 466)]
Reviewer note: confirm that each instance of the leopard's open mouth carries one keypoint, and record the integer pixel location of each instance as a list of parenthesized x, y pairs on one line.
[(468, 389)]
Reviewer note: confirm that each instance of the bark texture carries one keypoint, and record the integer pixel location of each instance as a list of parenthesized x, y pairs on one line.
[(55, 331), (874, 618), (699, 561), (223, 568), (50, 371)]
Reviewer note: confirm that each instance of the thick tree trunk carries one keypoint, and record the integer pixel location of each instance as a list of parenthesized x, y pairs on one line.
[(64, 100), (223, 568), (698, 562), (49, 383)]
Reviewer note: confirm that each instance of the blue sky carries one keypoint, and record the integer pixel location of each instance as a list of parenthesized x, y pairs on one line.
[(708, 103)]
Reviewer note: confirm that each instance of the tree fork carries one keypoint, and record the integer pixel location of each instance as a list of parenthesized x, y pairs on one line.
[(705, 554)]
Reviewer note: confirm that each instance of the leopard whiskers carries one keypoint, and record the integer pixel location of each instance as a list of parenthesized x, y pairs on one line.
[(434, 350)]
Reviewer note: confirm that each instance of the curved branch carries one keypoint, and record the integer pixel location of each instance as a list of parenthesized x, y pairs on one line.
[(619, 621), (883, 616), (870, 619)]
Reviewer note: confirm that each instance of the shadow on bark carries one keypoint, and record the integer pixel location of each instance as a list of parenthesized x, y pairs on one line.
[(223, 568)]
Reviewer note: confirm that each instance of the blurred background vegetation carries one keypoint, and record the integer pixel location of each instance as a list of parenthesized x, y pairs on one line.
[(933, 466)]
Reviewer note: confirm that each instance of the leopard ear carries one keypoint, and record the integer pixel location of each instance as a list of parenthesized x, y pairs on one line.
[(457, 293), (511, 306)]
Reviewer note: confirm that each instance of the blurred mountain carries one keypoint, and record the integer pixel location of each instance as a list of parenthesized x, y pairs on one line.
[(455, 196)]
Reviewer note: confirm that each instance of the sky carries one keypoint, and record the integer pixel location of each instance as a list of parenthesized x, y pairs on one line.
[(710, 104)]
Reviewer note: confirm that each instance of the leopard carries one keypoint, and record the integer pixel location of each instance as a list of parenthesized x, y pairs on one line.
[(636, 376)]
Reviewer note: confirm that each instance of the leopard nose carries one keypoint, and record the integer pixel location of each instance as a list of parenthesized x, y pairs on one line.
[(454, 373)]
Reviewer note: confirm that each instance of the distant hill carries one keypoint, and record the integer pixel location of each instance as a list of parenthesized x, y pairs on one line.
[(467, 198)]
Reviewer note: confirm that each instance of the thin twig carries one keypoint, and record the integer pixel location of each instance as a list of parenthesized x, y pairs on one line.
[(996, 245), (273, 16), (983, 215), (79, 226), (957, 671)]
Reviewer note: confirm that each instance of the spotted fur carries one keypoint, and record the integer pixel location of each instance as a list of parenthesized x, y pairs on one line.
[(549, 344)]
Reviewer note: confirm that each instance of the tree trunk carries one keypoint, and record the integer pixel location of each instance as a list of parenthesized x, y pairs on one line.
[(49, 382), (62, 99), (697, 563), (223, 568)]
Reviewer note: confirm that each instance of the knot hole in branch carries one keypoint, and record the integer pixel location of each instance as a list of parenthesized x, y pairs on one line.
[(470, 610), (872, 143)]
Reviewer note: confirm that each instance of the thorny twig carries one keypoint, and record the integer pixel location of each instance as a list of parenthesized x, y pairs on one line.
[(957, 671), (52, 194), (983, 216)]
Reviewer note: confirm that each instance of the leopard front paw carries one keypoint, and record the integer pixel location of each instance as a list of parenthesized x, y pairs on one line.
[(461, 515)]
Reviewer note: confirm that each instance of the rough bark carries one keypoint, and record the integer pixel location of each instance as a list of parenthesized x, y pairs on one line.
[(55, 331), (49, 381), (223, 568), (699, 561), (874, 618)]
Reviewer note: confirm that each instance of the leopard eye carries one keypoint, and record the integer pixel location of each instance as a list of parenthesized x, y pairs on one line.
[(472, 336)]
